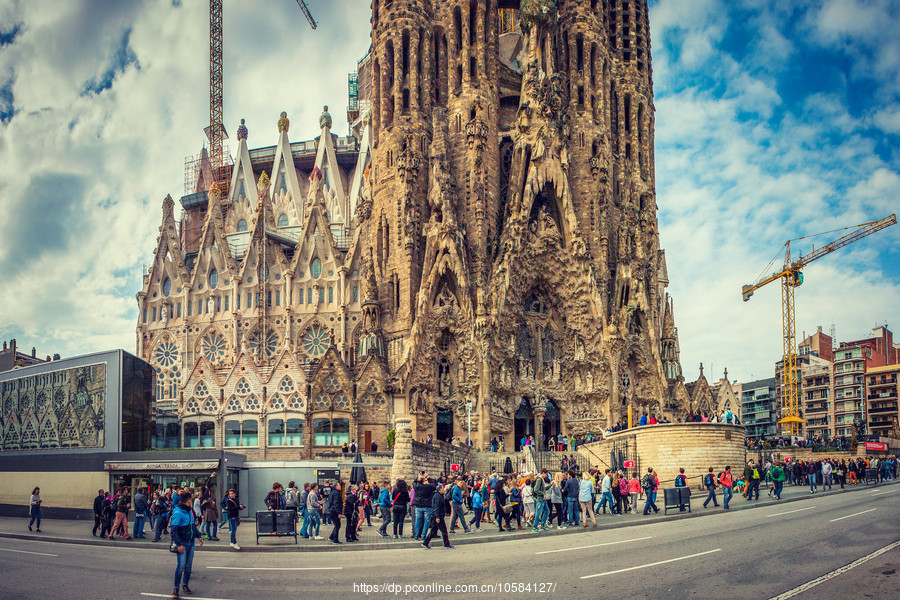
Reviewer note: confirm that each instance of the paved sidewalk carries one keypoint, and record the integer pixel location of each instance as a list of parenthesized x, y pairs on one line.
[(79, 531)]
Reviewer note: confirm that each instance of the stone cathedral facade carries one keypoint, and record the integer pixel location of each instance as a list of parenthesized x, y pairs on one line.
[(483, 253)]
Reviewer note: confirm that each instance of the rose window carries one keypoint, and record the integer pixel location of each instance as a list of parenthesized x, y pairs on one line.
[(213, 347), (266, 348), (9, 405), (42, 402), (59, 399), (166, 354), (316, 341)]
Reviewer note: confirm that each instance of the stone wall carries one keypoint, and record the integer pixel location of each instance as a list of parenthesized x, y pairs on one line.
[(670, 446)]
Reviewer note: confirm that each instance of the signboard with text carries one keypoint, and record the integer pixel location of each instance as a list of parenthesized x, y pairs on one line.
[(454, 468), (876, 446), (628, 464)]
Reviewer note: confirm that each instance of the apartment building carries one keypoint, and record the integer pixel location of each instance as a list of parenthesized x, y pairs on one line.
[(882, 391)]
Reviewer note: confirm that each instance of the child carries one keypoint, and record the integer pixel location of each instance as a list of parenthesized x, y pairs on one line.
[(740, 486), (634, 489)]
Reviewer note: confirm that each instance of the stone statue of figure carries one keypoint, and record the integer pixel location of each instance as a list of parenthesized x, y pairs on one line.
[(445, 379), (316, 295), (165, 315), (555, 369), (283, 123), (589, 381), (209, 305), (242, 132), (579, 348), (324, 118)]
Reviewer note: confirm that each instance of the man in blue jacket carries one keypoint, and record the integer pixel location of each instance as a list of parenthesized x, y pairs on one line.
[(140, 514), (184, 532), (384, 505), (456, 505), (570, 488), (333, 506)]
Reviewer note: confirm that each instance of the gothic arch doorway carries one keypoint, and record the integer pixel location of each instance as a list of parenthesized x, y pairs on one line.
[(552, 422), (444, 425), (524, 422)]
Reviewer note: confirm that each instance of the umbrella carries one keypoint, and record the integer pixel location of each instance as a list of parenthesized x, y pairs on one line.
[(357, 474), (508, 468)]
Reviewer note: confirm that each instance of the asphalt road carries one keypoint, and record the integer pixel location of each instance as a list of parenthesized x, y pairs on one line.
[(760, 553)]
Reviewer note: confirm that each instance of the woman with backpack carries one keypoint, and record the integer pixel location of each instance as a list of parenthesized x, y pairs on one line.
[(710, 482), (211, 514), (650, 483), (159, 508)]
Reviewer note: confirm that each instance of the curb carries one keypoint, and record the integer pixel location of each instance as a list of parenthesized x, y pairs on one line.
[(460, 539)]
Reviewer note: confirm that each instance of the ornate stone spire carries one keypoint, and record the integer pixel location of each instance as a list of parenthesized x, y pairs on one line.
[(242, 131)]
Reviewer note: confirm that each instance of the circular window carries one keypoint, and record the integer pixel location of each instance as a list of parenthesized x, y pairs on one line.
[(213, 279), (166, 354), (316, 341), (213, 347), (265, 347), (167, 287), (315, 268)]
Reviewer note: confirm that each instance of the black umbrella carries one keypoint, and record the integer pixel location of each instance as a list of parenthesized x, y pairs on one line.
[(508, 468), (358, 474)]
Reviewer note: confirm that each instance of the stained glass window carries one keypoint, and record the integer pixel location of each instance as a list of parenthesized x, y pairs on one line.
[(213, 347), (332, 384), (268, 348), (315, 268), (201, 391), (316, 341), (295, 403), (213, 279), (167, 287), (242, 226), (286, 386), (233, 405), (166, 354), (211, 406), (282, 220), (242, 387), (277, 402)]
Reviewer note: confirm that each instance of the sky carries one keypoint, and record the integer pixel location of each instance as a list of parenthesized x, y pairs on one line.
[(774, 120)]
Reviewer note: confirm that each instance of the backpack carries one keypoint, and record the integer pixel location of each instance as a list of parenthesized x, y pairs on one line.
[(709, 479), (679, 481), (648, 482), (754, 474)]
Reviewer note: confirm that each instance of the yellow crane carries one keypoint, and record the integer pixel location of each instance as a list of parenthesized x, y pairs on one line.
[(791, 276)]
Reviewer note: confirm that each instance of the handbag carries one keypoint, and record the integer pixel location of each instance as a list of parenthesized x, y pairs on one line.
[(507, 507), (173, 547)]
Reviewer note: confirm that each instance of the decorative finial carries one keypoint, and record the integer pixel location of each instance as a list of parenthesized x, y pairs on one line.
[(263, 184), (168, 203), (701, 369), (214, 192), (725, 376), (242, 131), (284, 123), (325, 118)]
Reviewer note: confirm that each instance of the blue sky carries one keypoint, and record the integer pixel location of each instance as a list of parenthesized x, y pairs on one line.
[(773, 120)]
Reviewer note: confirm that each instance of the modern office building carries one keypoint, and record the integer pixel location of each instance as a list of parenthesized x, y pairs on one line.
[(758, 407)]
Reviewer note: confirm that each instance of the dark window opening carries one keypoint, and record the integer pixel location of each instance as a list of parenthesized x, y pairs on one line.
[(457, 28), (473, 22), (472, 67)]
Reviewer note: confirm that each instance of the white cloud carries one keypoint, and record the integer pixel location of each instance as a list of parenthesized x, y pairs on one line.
[(85, 173)]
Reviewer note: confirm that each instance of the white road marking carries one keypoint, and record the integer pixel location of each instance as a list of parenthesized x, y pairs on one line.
[(278, 568), (662, 562), (27, 552), (790, 511), (596, 545), (170, 595), (853, 515), (811, 584), (881, 492)]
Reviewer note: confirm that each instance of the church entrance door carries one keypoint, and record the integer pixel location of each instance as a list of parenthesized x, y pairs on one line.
[(524, 422), (551, 422), (444, 425)]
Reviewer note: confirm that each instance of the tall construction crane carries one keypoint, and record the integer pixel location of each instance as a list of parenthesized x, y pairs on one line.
[(215, 132), (791, 277)]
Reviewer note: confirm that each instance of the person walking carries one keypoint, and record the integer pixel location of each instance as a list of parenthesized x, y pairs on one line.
[(211, 517), (458, 495), (500, 499), (184, 533), (776, 473), (314, 511), (351, 506), (827, 469), (727, 483), (753, 478), (811, 476), (333, 507), (399, 504), (438, 511), (423, 491), (585, 500), (304, 511), (233, 509), (35, 509), (650, 484), (606, 496), (107, 516), (121, 506), (98, 509), (555, 499), (384, 507), (710, 482), (141, 507), (292, 500), (842, 473), (634, 491), (477, 507), (680, 482), (539, 491), (160, 509)]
